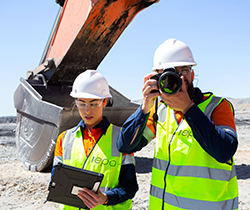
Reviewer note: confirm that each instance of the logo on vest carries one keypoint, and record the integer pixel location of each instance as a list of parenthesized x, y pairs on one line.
[(98, 160), (187, 133)]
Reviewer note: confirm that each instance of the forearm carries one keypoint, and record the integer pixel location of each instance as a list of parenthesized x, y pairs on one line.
[(127, 188), (131, 136), (215, 141)]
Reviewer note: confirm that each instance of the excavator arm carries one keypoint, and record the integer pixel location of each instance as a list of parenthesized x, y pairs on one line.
[(83, 33)]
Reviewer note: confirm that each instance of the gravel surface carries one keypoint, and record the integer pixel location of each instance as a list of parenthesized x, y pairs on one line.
[(20, 189)]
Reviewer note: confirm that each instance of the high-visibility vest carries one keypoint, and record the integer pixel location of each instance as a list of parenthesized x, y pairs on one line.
[(185, 176), (104, 158)]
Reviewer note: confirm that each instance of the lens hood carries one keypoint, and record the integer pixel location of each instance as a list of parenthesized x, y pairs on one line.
[(169, 81)]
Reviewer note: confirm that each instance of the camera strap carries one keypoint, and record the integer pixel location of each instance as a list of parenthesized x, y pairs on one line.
[(155, 116)]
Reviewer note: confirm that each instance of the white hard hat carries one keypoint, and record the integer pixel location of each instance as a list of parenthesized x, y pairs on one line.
[(173, 53), (90, 84)]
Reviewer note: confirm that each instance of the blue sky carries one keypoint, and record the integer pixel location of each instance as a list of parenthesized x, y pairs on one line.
[(218, 33)]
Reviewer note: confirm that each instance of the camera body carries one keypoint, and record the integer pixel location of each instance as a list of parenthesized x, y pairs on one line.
[(169, 81)]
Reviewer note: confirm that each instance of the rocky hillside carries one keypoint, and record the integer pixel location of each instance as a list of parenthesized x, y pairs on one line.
[(8, 119), (241, 104)]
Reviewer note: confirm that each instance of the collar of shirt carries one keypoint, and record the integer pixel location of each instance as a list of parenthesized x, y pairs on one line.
[(198, 96), (104, 124)]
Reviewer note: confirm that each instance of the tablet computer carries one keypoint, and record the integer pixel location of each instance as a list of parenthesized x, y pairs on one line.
[(67, 180)]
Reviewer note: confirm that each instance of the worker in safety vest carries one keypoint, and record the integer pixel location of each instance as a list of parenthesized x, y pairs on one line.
[(193, 165), (91, 145)]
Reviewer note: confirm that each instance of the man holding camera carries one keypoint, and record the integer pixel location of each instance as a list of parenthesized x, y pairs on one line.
[(195, 132)]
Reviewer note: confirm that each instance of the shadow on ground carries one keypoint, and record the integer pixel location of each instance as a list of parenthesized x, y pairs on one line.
[(143, 164), (243, 171)]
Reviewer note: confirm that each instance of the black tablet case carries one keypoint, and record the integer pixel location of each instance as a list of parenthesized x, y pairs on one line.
[(66, 182)]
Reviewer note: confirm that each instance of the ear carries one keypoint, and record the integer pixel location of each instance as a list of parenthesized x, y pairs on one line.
[(104, 103), (192, 75)]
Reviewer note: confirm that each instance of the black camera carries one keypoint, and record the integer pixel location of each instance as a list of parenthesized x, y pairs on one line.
[(169, 81)]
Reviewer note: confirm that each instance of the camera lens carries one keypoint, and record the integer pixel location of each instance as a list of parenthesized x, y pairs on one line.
[(170, 82)]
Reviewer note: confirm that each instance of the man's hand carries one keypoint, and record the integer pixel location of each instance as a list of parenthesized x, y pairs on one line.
[(179, 101), (92, 199), (148, 98)]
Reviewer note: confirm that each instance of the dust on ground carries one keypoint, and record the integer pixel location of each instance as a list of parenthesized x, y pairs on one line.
[(25, 190)]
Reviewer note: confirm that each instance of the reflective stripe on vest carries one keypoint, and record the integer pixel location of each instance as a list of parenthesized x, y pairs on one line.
[(204, 172), (172, 200), (184, 176), (210, 104), (104, 158)]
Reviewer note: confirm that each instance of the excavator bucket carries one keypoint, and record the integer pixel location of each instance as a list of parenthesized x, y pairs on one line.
[(83, 33)]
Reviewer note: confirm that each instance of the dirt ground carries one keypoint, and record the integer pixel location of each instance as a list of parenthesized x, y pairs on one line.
[(25, 190)]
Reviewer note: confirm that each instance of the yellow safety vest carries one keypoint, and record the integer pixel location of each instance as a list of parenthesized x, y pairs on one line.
[(184, 176), (104, 158)]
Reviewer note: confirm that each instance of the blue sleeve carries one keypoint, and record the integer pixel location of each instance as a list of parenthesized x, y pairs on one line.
[(218, 143), (131, 136), (52, 172), (127, 188)]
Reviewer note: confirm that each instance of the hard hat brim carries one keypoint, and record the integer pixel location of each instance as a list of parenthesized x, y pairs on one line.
[(89, 95), (174, 64)]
